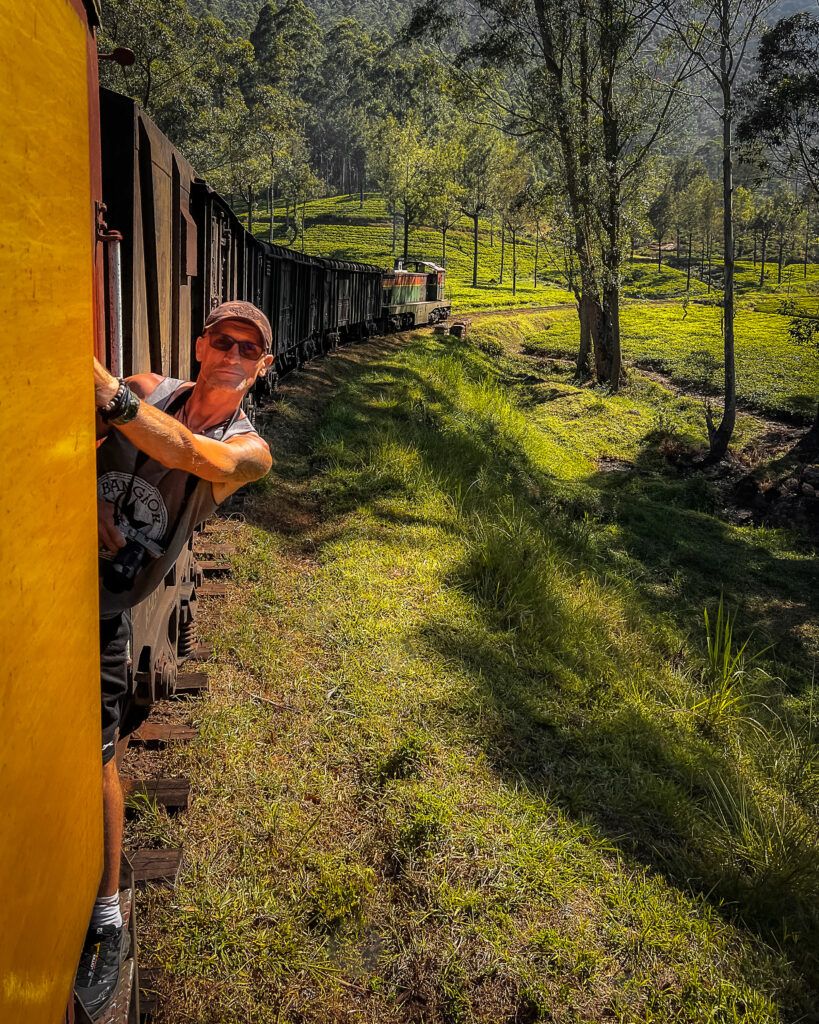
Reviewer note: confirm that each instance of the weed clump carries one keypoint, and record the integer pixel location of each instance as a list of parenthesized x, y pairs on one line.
[(338, 891), (404, 762)]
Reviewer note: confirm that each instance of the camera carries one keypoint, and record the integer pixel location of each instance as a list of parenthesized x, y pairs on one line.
[(119, 574)]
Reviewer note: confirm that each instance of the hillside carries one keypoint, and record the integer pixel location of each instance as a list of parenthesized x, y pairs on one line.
[(661, 330)]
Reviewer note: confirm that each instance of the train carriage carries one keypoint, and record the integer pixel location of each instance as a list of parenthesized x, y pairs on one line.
[(51, 262)]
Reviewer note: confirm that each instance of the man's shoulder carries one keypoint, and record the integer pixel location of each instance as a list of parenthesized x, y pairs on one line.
[(144, 384)]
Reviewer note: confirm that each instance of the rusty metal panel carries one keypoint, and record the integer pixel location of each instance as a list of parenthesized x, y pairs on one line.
[(147, 188)]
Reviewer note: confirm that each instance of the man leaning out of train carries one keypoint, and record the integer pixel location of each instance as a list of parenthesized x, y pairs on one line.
[(176, 450)]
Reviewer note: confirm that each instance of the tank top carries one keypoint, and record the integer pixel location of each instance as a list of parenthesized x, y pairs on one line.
[(165, 505)]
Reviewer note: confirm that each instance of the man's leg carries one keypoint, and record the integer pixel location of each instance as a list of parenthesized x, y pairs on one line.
[(107, 940), (113, 811)]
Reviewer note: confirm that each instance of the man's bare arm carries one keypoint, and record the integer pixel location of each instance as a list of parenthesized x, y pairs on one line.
[(238, 460), (235, 462)]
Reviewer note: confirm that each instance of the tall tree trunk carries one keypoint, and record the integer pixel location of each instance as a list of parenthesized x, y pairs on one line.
[(475, 250), (537, 247), (406, 233), (720, 437), (762, 258), (688, 267), (503, 249), (779, 263), (514, 263), (271, 209), (755, 243), (678, 243), (443, 247), (250, 211), (807, 245), (659, 252), (394, 230), (608, 357), (709, 262)]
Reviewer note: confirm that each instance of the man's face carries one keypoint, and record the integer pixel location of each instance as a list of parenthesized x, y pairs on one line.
[(231, 370)]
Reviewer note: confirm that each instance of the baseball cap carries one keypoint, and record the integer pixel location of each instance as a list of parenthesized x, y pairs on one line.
[(243, 311)]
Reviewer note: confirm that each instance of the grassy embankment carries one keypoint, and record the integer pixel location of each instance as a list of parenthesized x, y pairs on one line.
[(466, 756)]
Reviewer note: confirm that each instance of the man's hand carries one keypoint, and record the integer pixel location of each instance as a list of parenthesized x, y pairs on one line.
[(109, 536), (105, 385)]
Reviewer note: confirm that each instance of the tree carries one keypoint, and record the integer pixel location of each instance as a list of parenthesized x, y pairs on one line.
[(345, 99), (403, 165), (447, 192), (744, 211), (764, 223), (661, 218), (593, 83), (717, 34), (782, 100), (287, 42), (186, 68), (474, 179)]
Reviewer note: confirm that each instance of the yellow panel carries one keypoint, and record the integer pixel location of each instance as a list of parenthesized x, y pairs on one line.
[(50, 790)]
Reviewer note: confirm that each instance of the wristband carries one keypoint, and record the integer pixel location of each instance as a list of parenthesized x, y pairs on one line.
[(109, 410), (130, 408)]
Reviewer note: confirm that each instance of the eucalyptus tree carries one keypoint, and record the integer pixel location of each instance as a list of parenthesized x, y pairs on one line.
[(474, 176), (404, 166), (718, 35), (345, 99), (764, 224), (597, 83), (782, 100)]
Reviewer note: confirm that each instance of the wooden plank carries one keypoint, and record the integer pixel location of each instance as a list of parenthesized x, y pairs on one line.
[(174, 794), (216, 550), (212, 567), (162, 733), (156, 865), (149, 981), (212, 590), (191, 682), (204, 652)]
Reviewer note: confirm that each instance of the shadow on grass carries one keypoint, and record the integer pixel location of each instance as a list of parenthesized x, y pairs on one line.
[(544, 565)]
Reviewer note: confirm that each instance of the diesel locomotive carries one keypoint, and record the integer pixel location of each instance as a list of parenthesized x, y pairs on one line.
[(120, 249)]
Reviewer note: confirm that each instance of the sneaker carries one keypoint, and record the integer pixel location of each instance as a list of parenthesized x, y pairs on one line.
[(98, 974)]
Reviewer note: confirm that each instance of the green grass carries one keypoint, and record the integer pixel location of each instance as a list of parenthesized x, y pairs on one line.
[(453, 766), (773, 374)]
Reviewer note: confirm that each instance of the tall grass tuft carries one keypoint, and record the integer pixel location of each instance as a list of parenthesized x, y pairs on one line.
[(726, 672)]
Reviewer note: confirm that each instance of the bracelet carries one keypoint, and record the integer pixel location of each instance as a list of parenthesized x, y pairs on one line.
[(111, 408), (128, 413)]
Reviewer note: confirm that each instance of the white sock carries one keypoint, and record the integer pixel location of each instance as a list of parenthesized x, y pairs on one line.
[(106, 911)]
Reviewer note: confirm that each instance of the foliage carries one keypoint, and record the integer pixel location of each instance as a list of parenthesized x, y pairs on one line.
[(782, 100)]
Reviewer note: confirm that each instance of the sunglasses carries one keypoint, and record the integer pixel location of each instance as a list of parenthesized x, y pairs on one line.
[(247, 349)]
